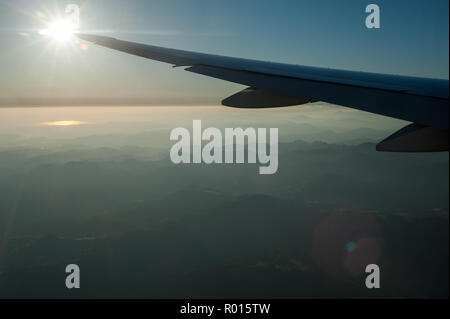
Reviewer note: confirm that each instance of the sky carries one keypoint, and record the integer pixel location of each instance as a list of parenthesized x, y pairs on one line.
[(412, 40)]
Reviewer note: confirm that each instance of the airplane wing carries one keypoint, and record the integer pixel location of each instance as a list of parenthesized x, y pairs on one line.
[(422, 101)]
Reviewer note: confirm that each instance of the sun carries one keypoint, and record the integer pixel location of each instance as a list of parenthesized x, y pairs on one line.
[(61, 31)]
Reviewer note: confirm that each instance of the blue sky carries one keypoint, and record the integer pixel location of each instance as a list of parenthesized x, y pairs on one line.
[(413, 40)]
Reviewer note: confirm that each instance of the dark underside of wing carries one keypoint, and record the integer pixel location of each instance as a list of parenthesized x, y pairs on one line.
[(422, 101)]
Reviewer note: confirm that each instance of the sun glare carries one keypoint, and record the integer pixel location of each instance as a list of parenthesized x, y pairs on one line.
[(64, 123), (61, 31)]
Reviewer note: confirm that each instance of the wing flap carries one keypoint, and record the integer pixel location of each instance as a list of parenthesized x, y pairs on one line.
[(418, 109), (259, 98), (416, 138)]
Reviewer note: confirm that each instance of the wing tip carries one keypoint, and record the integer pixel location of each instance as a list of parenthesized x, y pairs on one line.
[(93, 38)]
